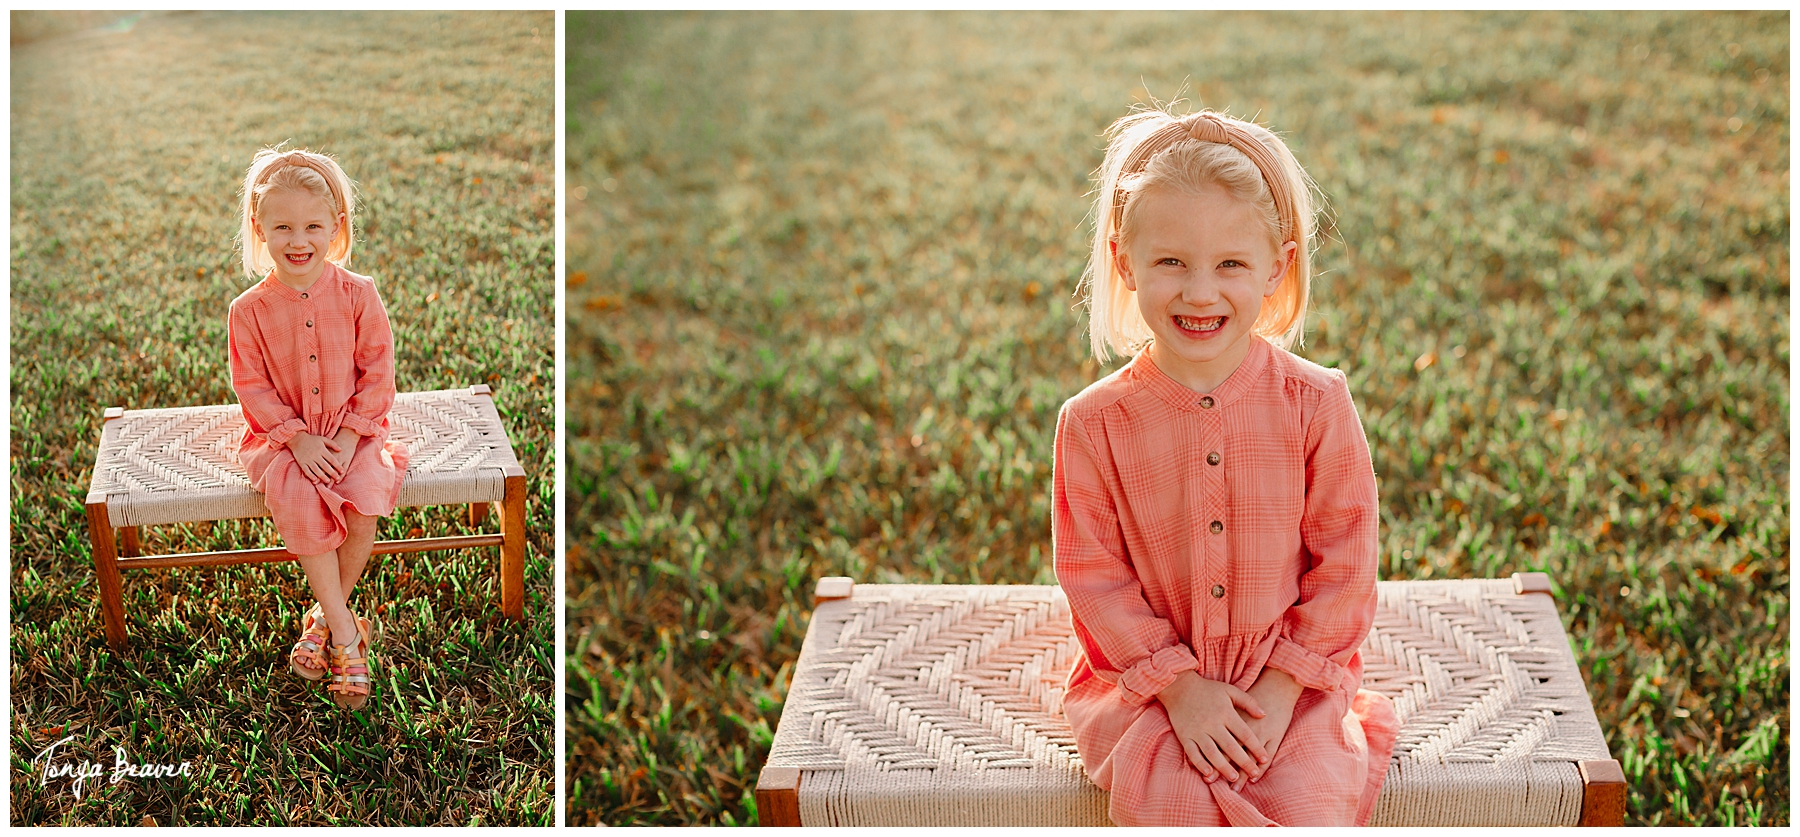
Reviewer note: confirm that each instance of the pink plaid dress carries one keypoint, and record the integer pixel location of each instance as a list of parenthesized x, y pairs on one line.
[(1221, 533), (316, 361)]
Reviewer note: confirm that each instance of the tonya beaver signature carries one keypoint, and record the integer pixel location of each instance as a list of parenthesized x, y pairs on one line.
[(122, 768)]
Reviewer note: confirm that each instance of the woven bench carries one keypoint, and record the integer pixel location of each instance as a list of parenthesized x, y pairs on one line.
[(176, 466), (942, 705)]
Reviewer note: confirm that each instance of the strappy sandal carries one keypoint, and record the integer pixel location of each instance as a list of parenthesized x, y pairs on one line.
[(350, 682), (307, 659)]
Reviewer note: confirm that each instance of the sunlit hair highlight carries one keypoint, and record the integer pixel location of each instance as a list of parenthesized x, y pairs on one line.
[(1150, 150), (274, 170)]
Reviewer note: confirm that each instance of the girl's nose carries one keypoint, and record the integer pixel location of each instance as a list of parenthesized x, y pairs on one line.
[(1199, 289)]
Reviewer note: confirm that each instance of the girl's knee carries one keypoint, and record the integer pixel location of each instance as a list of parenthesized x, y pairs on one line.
[(357, 522)]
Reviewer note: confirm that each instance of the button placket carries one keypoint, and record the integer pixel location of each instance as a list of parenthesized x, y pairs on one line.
[(1220, 613), (311, 372), (1214, 610)]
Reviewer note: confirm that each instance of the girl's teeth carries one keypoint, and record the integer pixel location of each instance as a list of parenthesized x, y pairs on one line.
[(1194, 324)]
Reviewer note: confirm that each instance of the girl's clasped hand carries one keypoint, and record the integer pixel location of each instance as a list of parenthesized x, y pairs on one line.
[(1212, 722), (323, 460), (1227, 731)]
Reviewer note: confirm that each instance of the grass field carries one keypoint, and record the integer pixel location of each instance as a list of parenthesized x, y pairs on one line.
[(128, 147), (821, 322)]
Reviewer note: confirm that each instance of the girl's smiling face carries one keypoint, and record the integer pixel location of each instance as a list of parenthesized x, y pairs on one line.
[(298, 228), (1200, 266)]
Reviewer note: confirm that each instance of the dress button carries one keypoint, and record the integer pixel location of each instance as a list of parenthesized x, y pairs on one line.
[(1216, 527), (1218, 591), (315, 359), (303, 296), (316, 392), (1206, 402), (1212, 458), (309, 323)]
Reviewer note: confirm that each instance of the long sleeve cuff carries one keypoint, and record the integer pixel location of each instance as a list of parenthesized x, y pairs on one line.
[(359, 425), (285, 432), (1141, 682), (1309, 669)]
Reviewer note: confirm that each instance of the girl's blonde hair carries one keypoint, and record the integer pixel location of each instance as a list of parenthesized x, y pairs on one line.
[(273, 170), (1151, 150)]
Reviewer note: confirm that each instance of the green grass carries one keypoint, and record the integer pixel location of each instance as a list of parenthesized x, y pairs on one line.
[(820, 314), (127, 152)]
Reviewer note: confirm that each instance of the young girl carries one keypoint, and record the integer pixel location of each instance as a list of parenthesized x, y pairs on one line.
[(312, 362), (1215, 504)]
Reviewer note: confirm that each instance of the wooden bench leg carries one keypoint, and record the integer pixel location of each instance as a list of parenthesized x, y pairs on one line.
[(477, 514), (133, 548), (512, 551), (778, 788), (778, 797), (1603, 793), (106, 570)]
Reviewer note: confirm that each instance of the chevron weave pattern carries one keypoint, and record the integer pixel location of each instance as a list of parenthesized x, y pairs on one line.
[(177, 465), (942, 705)]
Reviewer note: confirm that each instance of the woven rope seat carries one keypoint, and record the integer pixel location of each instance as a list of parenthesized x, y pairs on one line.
[(942, 705), (177, 465)]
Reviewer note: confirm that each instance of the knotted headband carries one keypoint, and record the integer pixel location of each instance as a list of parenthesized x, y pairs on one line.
[(305, 159), (1209, 126)]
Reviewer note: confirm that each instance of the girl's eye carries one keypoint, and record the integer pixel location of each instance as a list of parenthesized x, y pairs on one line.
[(1231, 263), (1173, 261)]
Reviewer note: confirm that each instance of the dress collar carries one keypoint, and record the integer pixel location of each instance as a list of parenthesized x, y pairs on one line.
[(281, 289), (1239, 382)]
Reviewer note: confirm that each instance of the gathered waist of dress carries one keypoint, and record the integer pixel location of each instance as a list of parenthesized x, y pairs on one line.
[(1235, 658), (324, 424), (327, 423)]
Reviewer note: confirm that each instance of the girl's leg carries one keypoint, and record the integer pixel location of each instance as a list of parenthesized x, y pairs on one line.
[(323, 576), (331, 576), (353, 554)]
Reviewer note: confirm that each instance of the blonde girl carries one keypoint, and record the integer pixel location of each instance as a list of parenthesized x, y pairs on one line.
[(1214, 502), (312, 362)]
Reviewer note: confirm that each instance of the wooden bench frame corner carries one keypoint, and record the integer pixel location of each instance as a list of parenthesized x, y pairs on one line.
[(778, 797)]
